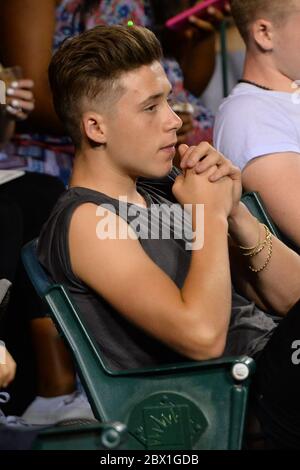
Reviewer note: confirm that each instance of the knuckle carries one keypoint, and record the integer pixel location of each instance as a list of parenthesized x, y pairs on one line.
[(205, 146)]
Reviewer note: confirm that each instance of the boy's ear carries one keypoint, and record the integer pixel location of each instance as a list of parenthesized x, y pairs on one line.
[(262, 32), (94, 127)]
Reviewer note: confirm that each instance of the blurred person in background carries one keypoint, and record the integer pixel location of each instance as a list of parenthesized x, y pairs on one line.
[(189, 63), (258, 125)]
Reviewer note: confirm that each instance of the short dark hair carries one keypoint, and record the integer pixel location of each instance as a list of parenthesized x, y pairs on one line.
[(246, 12), (87, 66)]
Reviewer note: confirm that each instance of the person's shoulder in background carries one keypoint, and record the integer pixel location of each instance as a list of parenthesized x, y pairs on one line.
[(250, 123)]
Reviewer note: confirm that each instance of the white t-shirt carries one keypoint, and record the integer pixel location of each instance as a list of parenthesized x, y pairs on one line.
[(253, 122), (213, 95)]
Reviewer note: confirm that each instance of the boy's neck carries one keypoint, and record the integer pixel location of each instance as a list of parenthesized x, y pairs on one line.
[(93, 172), (260, 70)]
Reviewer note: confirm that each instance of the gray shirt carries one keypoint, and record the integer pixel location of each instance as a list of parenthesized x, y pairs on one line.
[(123, 345)]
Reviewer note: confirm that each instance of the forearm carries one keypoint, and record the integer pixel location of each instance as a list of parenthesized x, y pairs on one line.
[(244, 227), (198, 64), (278, 284), (26, 36), (206, 292)]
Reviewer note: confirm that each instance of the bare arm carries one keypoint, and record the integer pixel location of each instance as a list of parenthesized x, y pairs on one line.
[(26, 35), (193, 320), (197, 61), (276, 178), (198, 51), (277, 286)]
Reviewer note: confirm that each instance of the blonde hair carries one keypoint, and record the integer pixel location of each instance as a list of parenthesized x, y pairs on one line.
[(245, 12)]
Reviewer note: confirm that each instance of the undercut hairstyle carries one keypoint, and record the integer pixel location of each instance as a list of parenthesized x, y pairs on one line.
[(86, 69), (245, 12)]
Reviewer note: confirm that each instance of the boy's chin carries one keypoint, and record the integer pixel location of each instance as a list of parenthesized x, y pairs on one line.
[(159, 173)]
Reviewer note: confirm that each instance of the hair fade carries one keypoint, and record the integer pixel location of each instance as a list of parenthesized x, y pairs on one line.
[(86, 67), (246, 12)]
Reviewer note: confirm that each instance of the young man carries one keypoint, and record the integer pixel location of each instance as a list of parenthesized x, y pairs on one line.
[(149, 298), (261, 117)]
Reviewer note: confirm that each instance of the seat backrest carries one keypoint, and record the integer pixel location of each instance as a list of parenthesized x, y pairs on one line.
[(192, 405)]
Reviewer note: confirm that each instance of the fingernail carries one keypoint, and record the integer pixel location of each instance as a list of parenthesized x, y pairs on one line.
[(15, 103), (10, 91), (14, 84), (211, 10), (11, 110)]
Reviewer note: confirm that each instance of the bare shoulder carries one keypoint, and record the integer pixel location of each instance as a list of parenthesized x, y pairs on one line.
[(99, 237), (94, 223), (107, 256)]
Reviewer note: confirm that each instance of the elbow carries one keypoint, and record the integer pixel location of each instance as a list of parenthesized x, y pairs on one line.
[(205, 346), (211, 351)]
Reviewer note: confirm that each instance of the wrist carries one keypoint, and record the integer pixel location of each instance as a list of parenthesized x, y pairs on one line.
[(237, 216), (211, 218), (242, 226), (218, 220)]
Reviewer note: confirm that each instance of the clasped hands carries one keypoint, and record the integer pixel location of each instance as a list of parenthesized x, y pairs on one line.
[(203, 166)]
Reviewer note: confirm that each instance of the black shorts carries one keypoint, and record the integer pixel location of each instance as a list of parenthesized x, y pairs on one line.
[(276, 384)]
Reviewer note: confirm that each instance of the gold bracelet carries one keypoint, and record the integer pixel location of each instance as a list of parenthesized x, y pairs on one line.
[(252, 247), (257, 249), (261, 245), (270, 252)]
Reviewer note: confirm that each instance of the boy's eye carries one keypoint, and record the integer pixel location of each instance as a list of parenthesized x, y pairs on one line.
[(151, 108)]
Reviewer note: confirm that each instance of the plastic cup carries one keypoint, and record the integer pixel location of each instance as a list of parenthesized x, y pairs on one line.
[(9, 74)]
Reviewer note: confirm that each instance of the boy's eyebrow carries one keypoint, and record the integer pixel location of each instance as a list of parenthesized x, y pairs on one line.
[(154, 97)]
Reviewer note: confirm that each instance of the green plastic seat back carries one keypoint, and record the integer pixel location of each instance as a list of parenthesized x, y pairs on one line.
[(192, 405)]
